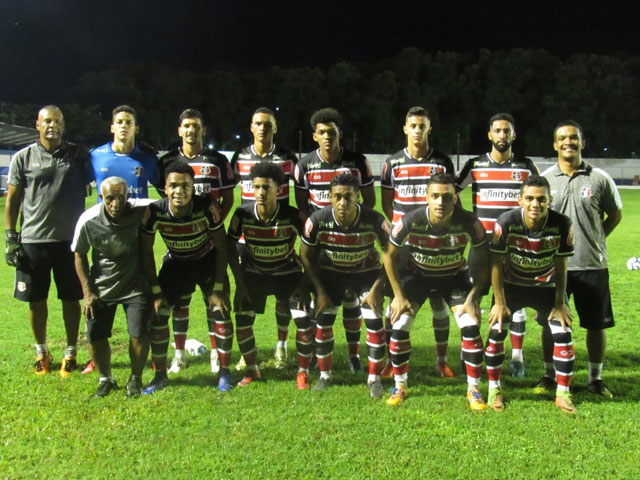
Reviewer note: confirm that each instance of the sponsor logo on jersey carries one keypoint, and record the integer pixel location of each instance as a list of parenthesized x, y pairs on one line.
[(269, 251), (104, 169), (437, 260), (412, 191), (347, 257), (499, 194), (530, 262)]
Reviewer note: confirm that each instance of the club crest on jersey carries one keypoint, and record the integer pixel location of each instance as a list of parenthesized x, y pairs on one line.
[(308, 226), (138, 171), (205, 170), (434, 171), (586, 192), (396, 228), (517, 176), (453, 240)]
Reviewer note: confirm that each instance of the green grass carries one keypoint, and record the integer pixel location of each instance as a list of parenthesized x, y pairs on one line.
[(53, 428)]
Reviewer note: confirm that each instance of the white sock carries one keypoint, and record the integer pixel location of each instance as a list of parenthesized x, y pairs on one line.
[(41, 349), (325, 374), (595, 371)]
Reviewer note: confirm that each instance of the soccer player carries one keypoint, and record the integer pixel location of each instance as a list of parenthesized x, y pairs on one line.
[(338, 253), (529, 250), (123, 157), (197, 254), (111, 231), (269, 266), (436, 237), (214, 180), (312, 178), (47, 186), (263, 149), (403, 183), (589, 197), (495, 180)]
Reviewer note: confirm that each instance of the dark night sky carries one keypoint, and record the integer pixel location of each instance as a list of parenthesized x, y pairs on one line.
[(45, 44)]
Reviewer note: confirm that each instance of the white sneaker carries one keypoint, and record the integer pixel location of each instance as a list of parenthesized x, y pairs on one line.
[(177, 364), (215, 361)]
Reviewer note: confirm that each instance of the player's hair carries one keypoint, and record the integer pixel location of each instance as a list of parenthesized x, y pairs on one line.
[(126, 109), (345, 180), (191, 113), (268, 170), (266, 110), (113, 180), (502, 116), (53, 108), (535, 181), (326, 115), (568, 123), (417, 111), (179, 166), (442, 179)]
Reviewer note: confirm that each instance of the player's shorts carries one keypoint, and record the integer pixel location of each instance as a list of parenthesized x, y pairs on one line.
[(138, 310), (178, 278), (454, 289), (591, 297), (262, 286), (337, 283), (33, 276), (541, 299)]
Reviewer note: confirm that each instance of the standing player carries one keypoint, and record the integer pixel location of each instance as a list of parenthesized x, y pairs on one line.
[(47, 184), (436, 236), (214, 180), (111, 231), (312, 178), (590, 198), (529, 250), (495, 180), (338, 253), (263, 149), (123, 157), (269, 266), (197, 254), (403, 183)]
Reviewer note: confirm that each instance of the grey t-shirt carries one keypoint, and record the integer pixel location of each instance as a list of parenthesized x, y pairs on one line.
[(54, 185), (585, 198), (116, 270)]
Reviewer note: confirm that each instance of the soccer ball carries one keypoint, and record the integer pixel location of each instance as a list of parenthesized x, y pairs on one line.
[(633, 263)]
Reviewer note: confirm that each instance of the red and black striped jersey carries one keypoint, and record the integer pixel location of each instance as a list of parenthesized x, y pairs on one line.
[(187, 238), (213, 172), (244, 159), (347, 250), (408, 178), (269, 246), (529, 256), (315, 175), (495, 186), (436, 251)]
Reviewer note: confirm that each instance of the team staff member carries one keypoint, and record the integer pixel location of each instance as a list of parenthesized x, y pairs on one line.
[(436, 236), (46, 183), (312, 179), (263, 149), (111, 231), (214, 180), (495, 180), (339, 255), (403, 183), (529, 250), (197, 254), (589, 197)]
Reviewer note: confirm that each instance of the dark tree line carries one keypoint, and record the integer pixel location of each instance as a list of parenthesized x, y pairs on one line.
[(461, 90)]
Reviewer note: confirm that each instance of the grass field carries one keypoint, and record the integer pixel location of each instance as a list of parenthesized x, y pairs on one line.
[(54, 428)]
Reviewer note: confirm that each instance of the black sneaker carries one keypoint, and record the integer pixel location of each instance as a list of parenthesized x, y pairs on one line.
[(599, 388), (355, 365), (105, 388), (545, 385), (134, 386)]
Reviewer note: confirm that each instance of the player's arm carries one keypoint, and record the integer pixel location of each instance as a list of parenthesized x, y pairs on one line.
[(368, 196), (612, 221), (499, 310), (242, 293), (309, 258), (472, 302), (219, 297), (400, 303), (387, 202), (226, 202), (91, 298), (11, 237), (560, 309), (302, 201), (149, 269)]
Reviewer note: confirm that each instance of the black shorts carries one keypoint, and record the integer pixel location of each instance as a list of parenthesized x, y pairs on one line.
[(33, 276), (178, 278), (262, 286), (138, 310), (337, 283), (541, 299), (454, 290), (591, 297)]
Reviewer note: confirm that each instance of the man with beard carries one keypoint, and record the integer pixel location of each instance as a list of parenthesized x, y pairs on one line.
[(495, 179)]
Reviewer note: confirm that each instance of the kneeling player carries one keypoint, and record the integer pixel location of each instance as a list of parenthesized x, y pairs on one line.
[(339, 255), (529, 250), (270, 266), (436, 237), (197, 254)]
